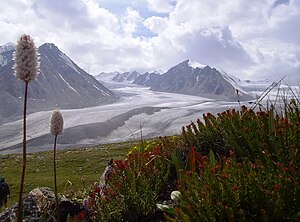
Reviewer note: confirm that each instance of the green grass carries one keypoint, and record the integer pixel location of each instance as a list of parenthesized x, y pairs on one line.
[(82, 167)]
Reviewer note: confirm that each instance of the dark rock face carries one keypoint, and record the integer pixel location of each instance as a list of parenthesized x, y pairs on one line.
[(60, 84), (39, 205)]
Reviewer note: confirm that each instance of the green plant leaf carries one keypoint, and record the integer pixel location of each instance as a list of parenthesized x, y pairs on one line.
[(212, 159)]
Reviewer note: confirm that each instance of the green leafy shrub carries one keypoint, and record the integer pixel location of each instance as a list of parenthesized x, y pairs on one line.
[(240, 166), (250, 134), (234, 191), (134, 188)]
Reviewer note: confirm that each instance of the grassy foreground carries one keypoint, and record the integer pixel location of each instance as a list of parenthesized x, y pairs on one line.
[(76, 168)]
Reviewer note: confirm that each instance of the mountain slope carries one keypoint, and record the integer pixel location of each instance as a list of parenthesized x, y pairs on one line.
[(147, 79), (185, 79), (60, 84)]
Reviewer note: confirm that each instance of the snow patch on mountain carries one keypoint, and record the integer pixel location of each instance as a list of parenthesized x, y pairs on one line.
[(68, 61), (3, 61), (105, 93), (72, 88), (7, 47), (195, 65)]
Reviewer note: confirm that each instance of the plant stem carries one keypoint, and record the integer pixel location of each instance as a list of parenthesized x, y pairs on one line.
[(55, 183), (20, 205)]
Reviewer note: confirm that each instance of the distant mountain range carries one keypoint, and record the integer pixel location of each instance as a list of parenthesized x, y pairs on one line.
[(127, 76), (185, 78), (63, 84), (60, 84)]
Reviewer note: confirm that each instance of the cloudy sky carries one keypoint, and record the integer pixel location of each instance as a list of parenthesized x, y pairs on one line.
[(251, 39)]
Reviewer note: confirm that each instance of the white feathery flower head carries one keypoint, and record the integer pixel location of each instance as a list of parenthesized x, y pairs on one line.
[(56, 123), (26, 59)]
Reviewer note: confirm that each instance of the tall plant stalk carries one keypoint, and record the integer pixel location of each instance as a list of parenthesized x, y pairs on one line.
[(55, 182), (26, 69), (24, 162), (56, 128)]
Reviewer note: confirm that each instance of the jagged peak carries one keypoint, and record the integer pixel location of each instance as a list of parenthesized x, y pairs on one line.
[(207, 67), (192, 64), (185, 62)]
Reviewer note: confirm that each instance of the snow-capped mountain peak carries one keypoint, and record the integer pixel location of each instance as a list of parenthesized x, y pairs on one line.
[(195, 65)]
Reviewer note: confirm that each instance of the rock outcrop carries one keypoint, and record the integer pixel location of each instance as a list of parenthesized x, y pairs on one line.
[(39, 205)]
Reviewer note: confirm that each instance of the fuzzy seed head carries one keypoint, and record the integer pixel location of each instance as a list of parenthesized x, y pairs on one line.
[(56, 123), (26, 65)]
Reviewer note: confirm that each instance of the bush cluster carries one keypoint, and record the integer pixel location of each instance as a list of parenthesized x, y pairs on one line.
[(133, 189), (233, 166)]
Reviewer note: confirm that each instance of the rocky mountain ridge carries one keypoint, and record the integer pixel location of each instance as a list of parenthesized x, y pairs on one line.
[(186, 78), (60, 84)]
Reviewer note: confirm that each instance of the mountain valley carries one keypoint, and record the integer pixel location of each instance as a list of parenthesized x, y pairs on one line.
[(117, 107)]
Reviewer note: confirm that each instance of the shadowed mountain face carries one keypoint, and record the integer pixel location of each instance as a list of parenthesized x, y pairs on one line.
[(60, 84)]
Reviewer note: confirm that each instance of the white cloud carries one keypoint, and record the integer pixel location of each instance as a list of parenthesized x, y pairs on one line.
[(234, 35), (161, 6), (156, 24), (251, 39), (78, 15), (130, 21)]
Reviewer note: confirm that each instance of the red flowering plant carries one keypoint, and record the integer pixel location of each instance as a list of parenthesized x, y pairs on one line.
[(250, 134), (228, 190), (133, 188), (250, 171)]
